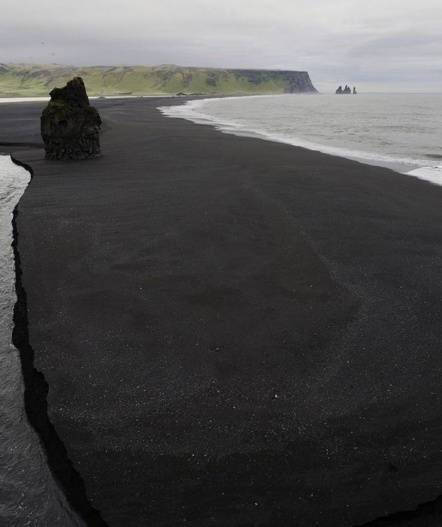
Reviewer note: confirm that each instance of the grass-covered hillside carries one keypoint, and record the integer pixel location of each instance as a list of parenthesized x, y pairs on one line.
[(21, 80)]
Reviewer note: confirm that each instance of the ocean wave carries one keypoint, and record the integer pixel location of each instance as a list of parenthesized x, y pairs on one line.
[(194, 111)]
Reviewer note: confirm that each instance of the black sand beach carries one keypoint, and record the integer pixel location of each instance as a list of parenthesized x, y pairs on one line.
[(234, 332)]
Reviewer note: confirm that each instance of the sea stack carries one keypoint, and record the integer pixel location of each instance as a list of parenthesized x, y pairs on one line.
[(345, 91), (70, 126)]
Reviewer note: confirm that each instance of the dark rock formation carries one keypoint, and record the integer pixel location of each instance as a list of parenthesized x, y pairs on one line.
[(70, 126), (354, 90), (345, 91)]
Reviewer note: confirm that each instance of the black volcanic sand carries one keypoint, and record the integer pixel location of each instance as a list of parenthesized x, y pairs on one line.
[(234, 332)]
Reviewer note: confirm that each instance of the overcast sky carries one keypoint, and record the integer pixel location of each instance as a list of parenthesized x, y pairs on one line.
[(374, 43)]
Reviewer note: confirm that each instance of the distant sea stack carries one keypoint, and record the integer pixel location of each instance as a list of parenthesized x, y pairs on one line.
[(346, 91), (70, 126), (35, 80)]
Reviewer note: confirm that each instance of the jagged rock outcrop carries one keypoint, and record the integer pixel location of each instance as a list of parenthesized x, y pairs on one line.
[(70, 126)]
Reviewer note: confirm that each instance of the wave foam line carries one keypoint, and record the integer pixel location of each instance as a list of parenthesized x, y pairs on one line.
[(191, 111)]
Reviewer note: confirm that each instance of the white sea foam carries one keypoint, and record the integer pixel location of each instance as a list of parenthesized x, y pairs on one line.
[(433, 174), (332, 125), (13, 181)]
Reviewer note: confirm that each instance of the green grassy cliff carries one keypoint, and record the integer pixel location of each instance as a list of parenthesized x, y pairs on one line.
[(22, 80)]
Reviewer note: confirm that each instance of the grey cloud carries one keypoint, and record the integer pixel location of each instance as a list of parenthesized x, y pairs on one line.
[(354, 40)]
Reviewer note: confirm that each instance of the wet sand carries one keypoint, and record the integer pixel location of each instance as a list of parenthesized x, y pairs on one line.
[(234, 332)]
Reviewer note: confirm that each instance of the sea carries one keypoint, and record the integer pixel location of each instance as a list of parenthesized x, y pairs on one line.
[(29, 496), (398, 131)]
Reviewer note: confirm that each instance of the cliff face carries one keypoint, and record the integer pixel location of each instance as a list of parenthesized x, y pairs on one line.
[(295, 81), (38, 80)]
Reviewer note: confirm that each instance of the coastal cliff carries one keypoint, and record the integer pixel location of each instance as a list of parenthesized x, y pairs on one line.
[(30, 80)]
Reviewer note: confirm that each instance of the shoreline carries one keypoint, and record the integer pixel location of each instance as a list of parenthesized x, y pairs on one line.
[(35, 397), (31, 99), (189, 111), (426, 172), (74, 171), (28, 491)]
